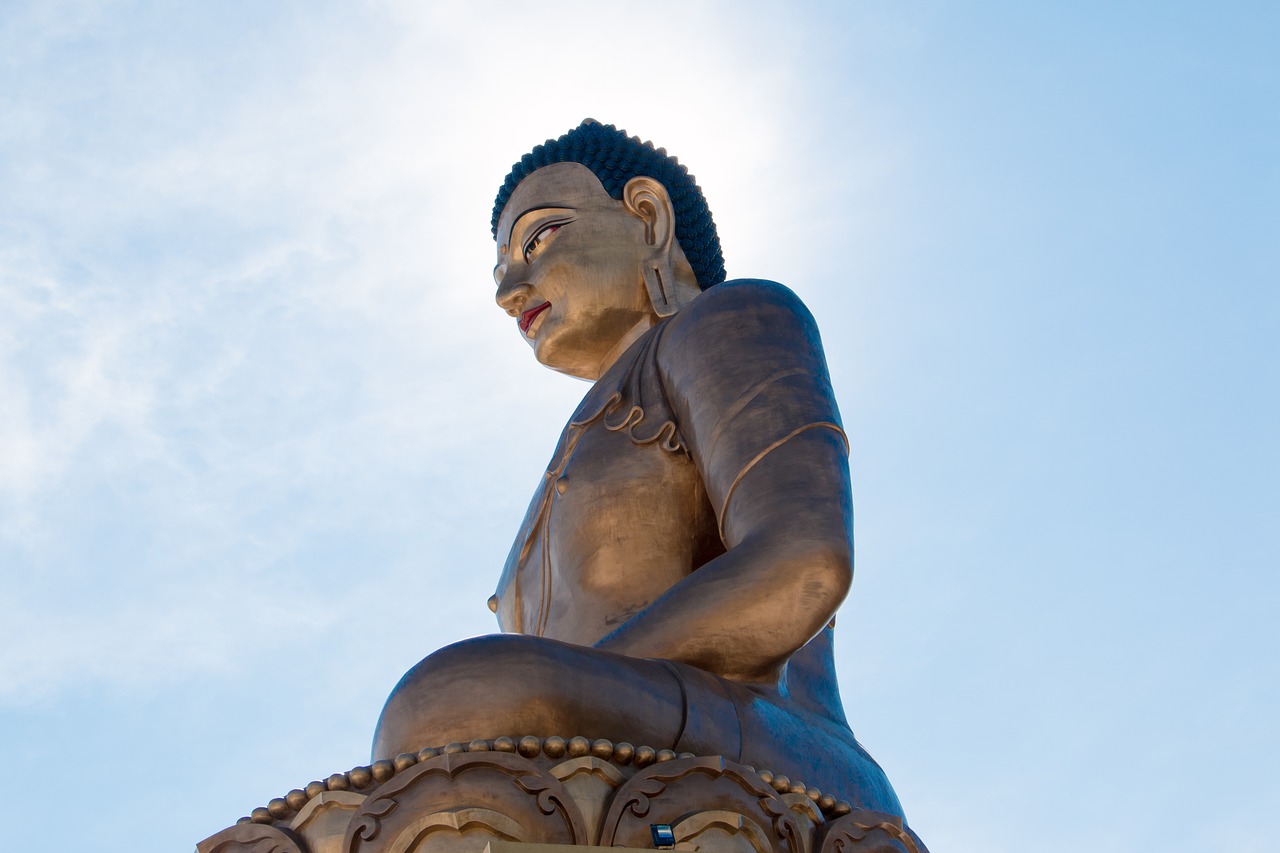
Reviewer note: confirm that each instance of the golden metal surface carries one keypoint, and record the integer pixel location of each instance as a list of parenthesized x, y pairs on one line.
[(676, 575), (549, 795)]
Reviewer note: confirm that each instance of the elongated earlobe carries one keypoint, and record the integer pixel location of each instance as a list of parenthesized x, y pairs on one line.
[(659, 280), (647, 200)]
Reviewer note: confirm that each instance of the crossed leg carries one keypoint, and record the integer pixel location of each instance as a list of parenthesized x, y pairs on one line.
[(514, 685)]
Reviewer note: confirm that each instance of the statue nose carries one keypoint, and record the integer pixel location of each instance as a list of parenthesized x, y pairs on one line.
[(511, 297)]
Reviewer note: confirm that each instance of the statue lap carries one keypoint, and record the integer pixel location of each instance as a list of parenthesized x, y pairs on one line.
[(515, 685)]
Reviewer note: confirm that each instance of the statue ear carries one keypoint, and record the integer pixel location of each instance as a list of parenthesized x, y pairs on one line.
[(647, 200)]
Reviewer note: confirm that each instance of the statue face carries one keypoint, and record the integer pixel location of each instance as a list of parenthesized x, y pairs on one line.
[(569, 273)]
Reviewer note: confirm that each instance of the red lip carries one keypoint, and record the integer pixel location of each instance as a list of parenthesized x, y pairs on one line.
[(527, 317)]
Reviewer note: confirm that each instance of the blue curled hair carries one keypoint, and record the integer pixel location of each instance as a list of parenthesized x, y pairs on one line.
[(616, 158)]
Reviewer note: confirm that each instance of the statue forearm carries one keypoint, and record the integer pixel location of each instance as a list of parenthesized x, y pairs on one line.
[(740, 616), (787, 568)]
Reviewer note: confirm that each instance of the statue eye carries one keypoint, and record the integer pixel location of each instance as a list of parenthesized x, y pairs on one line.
[(539, 241)]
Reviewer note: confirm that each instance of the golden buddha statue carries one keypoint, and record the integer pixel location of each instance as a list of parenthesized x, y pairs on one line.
[(676, 577)]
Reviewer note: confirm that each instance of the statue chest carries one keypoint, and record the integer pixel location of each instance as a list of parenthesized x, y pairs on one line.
[(613, 525)]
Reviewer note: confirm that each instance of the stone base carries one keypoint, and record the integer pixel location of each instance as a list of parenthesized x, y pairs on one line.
[(536, 795)]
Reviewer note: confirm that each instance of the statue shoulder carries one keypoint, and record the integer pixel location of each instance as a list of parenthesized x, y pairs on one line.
[(751, 296), (737, 316)]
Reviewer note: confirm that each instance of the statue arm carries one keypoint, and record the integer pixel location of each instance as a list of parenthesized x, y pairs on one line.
[(744, 371)]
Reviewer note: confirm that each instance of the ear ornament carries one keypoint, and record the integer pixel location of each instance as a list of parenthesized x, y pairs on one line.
[(658, 275)]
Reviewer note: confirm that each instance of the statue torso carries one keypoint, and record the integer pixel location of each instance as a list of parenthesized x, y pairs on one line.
[(620, 517), (632, 498)]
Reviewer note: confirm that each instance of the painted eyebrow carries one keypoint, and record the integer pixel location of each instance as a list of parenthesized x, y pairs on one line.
[(519, 218)]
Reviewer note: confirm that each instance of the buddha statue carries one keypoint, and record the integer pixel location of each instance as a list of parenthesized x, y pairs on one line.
[(676, 577)]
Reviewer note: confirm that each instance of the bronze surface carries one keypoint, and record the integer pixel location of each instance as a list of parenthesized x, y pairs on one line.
[(677, 574), (552, 795)]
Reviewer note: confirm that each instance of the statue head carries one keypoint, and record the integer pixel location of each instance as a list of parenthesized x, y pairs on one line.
[(599, 236), (615, 158)]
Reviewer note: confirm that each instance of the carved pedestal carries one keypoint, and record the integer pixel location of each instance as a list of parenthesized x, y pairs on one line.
[(514, 794)]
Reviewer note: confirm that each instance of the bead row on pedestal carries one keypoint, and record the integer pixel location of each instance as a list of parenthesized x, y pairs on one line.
[(363, 777)]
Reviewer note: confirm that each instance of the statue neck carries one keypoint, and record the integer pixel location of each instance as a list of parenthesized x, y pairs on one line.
[(624, 343)]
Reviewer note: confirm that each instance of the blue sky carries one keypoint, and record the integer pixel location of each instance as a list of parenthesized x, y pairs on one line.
[(265, 439)]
